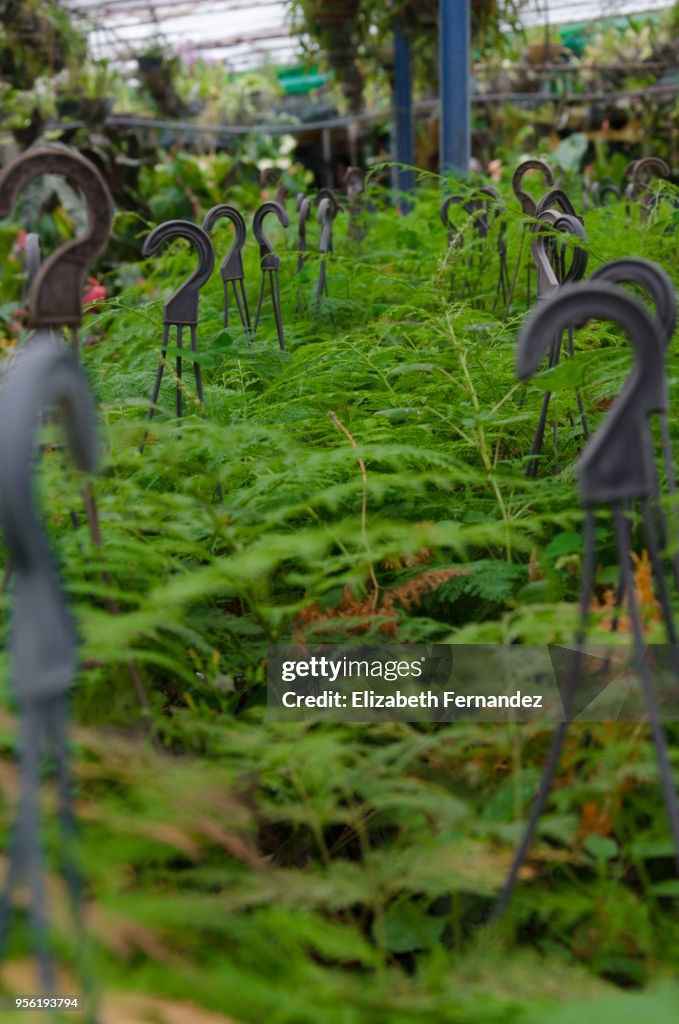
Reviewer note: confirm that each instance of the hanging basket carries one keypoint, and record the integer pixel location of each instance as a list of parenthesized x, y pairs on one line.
[(334, 12)]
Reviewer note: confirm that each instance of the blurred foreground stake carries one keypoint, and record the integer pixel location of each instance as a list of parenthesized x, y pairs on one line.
[(43, 636), (617, 468)]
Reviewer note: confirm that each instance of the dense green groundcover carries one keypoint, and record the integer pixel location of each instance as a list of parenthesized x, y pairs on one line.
[(337, 874)]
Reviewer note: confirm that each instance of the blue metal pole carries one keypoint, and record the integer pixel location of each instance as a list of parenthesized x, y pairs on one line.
[(404, 110), (454, 73)]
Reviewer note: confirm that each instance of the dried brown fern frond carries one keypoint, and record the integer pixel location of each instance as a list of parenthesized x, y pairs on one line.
[(406, 595)]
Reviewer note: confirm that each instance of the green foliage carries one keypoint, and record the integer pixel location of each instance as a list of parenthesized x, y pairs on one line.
[(342, 873)]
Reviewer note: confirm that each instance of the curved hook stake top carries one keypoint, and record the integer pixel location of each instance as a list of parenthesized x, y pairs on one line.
[(528, 204), (572, 225), (641, 180), (445, 216), (354, 183), (231, 268), (325, 217), (182, 305), (655, 281), (268, 258), (495, 202), (617, 463), (556, 197), (272, 177), (542, 252), (270, 265), (548, 255), (477, 207), (641, 177), (43, 633), (605, 192), (327, 193), (56, 294), (629, 171)]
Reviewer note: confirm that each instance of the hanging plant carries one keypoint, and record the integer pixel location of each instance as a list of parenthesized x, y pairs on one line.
[(356, 35), (334, 23), (36, 38)]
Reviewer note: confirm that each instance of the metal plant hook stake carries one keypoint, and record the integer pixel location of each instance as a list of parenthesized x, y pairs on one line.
[(57, 284), (659, 286), (43, 637), (552, 273), (56, 291), (453, 234), (615, 469), (488, 207), (181, 309), (556, 197), (270, 263), (272, 177), (528, 207), (327, 210), (232, 264), (587, 195), (354, 183), (496, 206), (303, 208), (641, 180), (445, 217), (327, 193), (605, 191)]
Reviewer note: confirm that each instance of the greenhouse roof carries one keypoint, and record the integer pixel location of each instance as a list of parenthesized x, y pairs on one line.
[(249, 33)]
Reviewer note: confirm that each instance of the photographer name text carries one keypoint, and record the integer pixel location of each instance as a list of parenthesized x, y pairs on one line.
[(370, 699)]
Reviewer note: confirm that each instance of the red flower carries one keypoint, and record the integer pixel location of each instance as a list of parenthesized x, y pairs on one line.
[(95, 293)]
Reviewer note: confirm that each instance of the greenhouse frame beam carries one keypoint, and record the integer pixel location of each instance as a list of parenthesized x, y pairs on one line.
[(454, 75), (403, 109)]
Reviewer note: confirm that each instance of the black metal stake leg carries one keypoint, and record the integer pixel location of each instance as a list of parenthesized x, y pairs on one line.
[(260, 300), (668, 455), (226, 303), (517, 267), (321, 289), (551, 766), (157, 383), (657, 730), (242, 304), (196, 366), (55, 720), (578, 396), (178, 365), (276, 299), (56, 716), (26, 850), (538, 438)]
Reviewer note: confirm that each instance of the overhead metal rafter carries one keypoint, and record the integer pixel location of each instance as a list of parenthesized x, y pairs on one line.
[(255, 29)]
